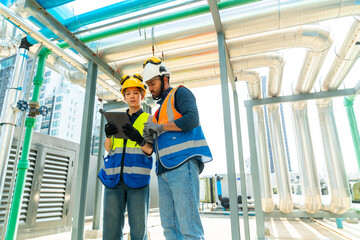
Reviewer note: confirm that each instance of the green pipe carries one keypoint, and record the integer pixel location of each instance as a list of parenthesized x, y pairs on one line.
[(350, 98), (156, 20), (348, 103), (23, 164)]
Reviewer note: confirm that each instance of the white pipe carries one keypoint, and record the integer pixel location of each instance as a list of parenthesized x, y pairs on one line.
[(263, 159), (306, 158), (316, 39), (340, 200), (280, 161), (345, 58), (9, 112), (259, 17), (9, 38)]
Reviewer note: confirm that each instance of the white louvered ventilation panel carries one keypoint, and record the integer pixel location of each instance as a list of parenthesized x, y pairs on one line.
[(53, 188), (28, 183)]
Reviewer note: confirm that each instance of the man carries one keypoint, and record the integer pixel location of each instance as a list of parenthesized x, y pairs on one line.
[(181, 151)]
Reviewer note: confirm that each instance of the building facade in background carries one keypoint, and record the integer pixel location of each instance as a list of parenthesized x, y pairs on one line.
[(64, 100)]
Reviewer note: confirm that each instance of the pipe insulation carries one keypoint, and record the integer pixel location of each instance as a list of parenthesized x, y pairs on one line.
[(281, 165), (263, 159), (10, 37), (345, 58), (307, 161), (338, 184)]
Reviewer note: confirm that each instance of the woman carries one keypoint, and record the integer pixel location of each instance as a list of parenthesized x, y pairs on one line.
[(126, 172)]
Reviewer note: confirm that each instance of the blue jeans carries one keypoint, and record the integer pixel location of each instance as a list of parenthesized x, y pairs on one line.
[(115, 201), (179, 202)]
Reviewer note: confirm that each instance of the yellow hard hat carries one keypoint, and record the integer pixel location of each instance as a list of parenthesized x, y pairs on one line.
[(128, 81)]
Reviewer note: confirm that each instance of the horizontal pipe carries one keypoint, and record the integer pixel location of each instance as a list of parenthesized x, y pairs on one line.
[(101, 14), (156, 21), (48, 4)]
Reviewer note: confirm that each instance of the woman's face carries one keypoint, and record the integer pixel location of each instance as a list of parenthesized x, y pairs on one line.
[(133, 96)]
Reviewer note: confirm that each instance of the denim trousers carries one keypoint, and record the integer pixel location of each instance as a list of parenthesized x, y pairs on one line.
[(136, 200), (179, 202)]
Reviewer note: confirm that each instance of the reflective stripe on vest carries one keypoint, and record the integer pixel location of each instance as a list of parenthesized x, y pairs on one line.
[(128, 170), (182, 146)]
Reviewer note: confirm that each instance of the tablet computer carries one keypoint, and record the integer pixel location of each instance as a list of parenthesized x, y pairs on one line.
[(118, 119)]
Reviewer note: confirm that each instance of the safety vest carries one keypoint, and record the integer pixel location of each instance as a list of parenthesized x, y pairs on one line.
[(177, 147), (137, 165)]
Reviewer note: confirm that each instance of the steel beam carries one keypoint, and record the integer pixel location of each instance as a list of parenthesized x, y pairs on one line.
[(301, 97), (84, 154)]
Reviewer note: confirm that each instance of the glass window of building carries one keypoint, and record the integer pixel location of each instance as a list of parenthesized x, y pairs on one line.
[(54, 132), (42, 95), (44, 125), (56, 123), (57, 106), (46, 80), (43, 88), (47, 74), (49, 101), (59, 98), (57, 115)]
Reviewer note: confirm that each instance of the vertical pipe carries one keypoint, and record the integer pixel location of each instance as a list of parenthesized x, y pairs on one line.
[(9, 111), (349, 103), (96, 223), (306, 158), (263, 160), (23, 163), (20, 143), (241, 166), (260, 226), (84, 154), (340, 195), (235, 228), (281, 165)]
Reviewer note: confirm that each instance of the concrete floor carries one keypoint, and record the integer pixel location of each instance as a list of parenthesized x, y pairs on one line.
[(218, 227)]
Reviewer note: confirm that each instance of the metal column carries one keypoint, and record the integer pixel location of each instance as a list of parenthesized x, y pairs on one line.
[(98, 185), (84, 154), (235, 228), (260, 226), (241, 166), (224, 66)]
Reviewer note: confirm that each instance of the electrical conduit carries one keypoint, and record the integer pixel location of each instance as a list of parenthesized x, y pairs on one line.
[(23, 163)]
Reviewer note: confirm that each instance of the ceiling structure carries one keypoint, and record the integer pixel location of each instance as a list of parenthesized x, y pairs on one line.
[(183, 34)]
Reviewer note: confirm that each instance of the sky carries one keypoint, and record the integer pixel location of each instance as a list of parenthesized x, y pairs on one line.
[(209, 102)]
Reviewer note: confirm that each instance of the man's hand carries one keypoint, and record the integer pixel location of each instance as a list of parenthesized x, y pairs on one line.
[(148, 137), (133, 134), (110, 130), (151, 127)]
